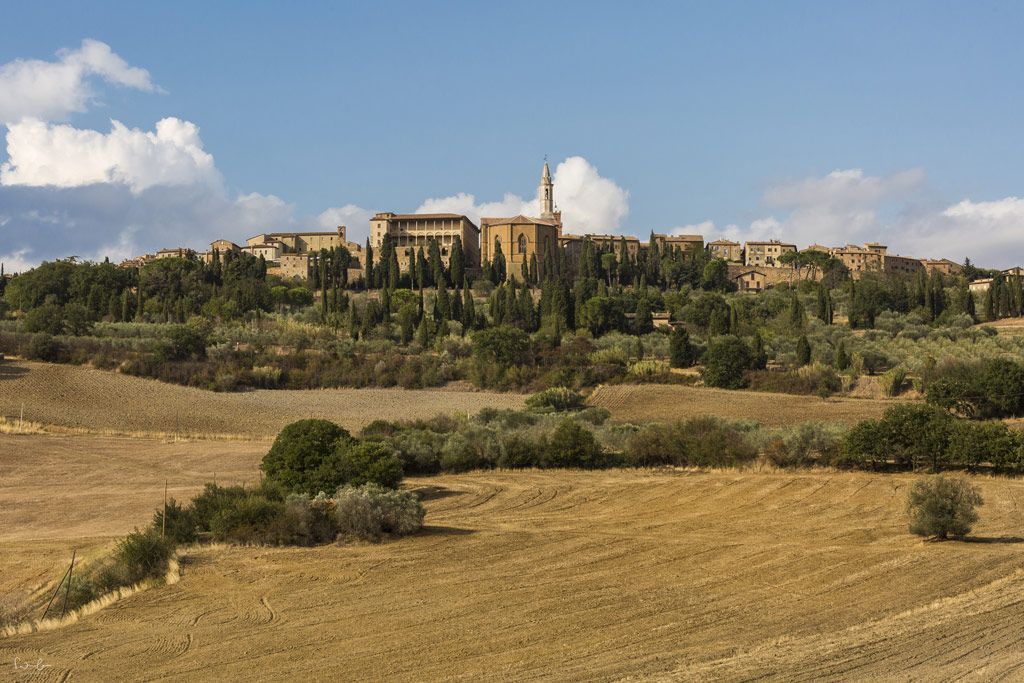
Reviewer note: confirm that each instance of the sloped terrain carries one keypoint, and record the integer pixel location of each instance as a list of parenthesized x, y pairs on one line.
[(97, 400), (556, 575)]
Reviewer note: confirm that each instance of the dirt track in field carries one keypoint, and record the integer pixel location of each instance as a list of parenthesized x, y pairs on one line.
[(667, 403), (81, 397), (554, 575)]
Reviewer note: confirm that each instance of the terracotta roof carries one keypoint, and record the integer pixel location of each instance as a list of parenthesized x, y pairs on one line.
[(725, 242)]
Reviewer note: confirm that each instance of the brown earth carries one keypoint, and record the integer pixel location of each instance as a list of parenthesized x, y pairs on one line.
[(552, 575), (98, 400), (668, 402)]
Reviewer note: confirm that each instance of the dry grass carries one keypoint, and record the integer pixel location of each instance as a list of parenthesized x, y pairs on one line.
[(557, 575), (666, 403), (83, 399)]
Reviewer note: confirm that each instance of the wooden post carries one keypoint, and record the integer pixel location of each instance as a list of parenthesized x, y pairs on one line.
[(55, 591), (67, 592), (163, 527), (21, 421)]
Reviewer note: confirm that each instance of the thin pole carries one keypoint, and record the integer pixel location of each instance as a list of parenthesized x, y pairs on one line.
[(163, 528), (67, 592), (55, 591), (21, 421)]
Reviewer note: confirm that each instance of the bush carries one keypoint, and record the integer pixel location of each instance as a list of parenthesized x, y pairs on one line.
[(697, 442), (474, 449), (912, 436), (972, 444), (304, 457), (366, 462), (370, 511), (556, 398), (181, 527), (808, 444), (572, 445), (725, 362), (939, 507), (143, 555), (44, 347), (182, 342)]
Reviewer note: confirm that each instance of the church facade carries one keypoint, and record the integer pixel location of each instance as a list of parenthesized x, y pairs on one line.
[(524, 240)]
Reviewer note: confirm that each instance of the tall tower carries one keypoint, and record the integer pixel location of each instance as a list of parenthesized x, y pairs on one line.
[(546, 192)]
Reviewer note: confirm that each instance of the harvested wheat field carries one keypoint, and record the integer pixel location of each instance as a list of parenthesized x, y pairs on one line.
[(98, 400), (555, 575), (668, 402)]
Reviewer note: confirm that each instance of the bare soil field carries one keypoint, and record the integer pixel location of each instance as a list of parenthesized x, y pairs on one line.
[(669, 402), (1008, 326), (550, 575), (97, 400)]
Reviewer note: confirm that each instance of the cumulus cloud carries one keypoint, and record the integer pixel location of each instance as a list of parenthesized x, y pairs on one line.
[(60, 155), (53, 90), (355, 218), (588, 201)]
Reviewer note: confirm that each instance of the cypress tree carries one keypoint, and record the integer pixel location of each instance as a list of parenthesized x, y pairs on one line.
[(680, 349), (803, 351), (457, 263), (468, 308), (368, 267), (758, 356), (842, 358), (422, 271)]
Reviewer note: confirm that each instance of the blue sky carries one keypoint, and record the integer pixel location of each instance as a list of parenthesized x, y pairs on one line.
[(728, 118)]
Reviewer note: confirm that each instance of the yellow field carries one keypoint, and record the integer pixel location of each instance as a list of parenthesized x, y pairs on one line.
[(80, 397), (667, 402), (553, 575)]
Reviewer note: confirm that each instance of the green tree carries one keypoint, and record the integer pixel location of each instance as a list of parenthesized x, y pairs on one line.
[(940, 507), (303, 458), (726, 362), (803, 351), (681, 351)]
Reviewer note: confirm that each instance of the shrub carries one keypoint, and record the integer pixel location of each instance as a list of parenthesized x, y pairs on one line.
[(810, 443), (370, 511), (44, 347), (975, 443), (593, 415), (143, 555), (557, 399), (517, 451), (941, 507), (46, 319), (366, 462), (697, 442), (893, 380), (181, 527), (475, 448), (725, 362), (182, 342), (681, 351), (572, 445), (911, 435), (304, 457)]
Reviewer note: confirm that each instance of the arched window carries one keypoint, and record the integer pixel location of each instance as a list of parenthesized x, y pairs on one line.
[(521, 244)]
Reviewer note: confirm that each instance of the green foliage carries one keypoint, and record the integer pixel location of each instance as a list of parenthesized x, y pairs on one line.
[(697, 442), (369, 512), (305, 457), (681, 351), (726, 362), (991, 389), (572, 445), (940, 507), (143, 555), (911, 436), (557, 399)]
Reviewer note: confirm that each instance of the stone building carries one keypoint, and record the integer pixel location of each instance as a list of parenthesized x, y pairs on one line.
[(410, 231), (727, 250), (302, 242), (765, 253), (687, 243), (522, 238), (943, 266)]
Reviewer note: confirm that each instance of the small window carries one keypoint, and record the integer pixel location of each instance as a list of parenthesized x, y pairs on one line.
[(521, 245)]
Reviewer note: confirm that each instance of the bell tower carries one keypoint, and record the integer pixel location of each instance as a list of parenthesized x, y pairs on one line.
[(546, 192)]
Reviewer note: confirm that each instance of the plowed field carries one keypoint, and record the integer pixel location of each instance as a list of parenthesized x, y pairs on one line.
[(552, 575)]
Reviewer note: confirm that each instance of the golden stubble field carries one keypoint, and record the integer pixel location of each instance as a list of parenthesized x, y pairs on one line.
[(82, 398), (551, 575)]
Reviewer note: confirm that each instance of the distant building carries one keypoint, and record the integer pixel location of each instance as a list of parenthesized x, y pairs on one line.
[(751, 280), (765, 253), (727, 250), (411, 231), (686, 243), (302, 242), (943, 266), (176, 252)]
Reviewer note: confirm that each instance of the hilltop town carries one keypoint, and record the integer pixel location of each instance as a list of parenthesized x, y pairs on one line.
[(526, 242)]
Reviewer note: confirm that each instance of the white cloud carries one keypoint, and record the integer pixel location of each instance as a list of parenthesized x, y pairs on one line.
[(989, 232), (53, 90), (588, 201), (60, 155), (355, 218)]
